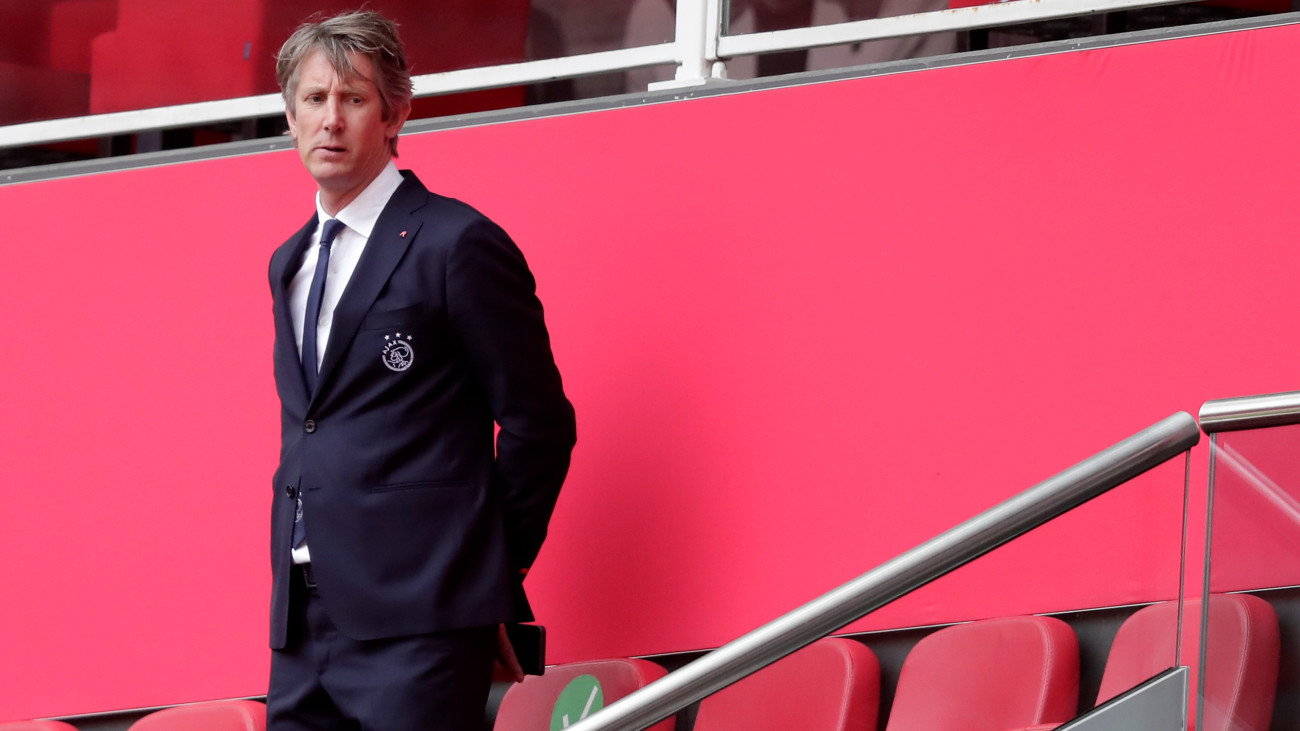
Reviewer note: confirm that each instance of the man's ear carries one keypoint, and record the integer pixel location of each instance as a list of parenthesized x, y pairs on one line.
[(394, 124), (293, 123)]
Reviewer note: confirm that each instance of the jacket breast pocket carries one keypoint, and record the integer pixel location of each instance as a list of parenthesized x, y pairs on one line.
[(405, 317)]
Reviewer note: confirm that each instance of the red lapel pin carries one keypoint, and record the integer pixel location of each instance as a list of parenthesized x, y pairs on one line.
[(402, 234)]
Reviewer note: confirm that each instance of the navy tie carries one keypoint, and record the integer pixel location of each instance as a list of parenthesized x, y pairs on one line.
[(314, 296)]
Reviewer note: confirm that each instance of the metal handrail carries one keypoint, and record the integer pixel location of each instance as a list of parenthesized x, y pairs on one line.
[(899, 576), (1250, 412)]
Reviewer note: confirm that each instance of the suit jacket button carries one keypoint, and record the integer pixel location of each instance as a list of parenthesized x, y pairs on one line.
[(291, 491), (309, 426)]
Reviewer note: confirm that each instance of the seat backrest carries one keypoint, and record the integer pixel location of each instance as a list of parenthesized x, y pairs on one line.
[(214, 716), (36, 726), (73, 25), (528, 706), (1241, 663), (989, 675), (830, 685), (1143, 648)]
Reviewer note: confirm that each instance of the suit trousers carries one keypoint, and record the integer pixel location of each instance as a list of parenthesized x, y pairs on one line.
[(324, 681)]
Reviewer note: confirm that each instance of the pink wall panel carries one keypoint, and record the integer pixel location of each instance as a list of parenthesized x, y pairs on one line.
[(804, 329), (136, 436)]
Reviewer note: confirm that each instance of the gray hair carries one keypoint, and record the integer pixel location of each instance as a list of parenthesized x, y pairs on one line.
[(364, 32)]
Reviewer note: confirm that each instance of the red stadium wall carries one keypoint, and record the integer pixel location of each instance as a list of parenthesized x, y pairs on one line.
[(804, 329)]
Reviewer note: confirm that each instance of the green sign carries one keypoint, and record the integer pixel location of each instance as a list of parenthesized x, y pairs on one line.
[(579, 699)]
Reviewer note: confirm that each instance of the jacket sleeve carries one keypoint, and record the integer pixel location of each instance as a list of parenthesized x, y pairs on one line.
[(493, 307)]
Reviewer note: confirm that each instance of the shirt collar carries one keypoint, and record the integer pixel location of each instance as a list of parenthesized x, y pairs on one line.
[(361, 214)]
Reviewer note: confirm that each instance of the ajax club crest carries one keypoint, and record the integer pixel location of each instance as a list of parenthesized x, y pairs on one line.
[(398, 354)]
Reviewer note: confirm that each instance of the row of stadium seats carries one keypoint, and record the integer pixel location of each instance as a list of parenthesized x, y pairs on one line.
[(1011, 673)]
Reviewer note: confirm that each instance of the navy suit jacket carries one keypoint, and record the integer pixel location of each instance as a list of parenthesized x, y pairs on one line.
[(416, 524)]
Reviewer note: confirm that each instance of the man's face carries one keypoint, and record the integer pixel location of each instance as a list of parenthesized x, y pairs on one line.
[(339, 128)]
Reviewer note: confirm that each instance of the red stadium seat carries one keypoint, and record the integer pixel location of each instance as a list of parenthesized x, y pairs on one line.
[(36, 726), (40, 77), (165, 53), (529, 705), (831, 685), (24, 32), (1241, 664), (74, 24), (992, 674), (214, 716), (31, 93)]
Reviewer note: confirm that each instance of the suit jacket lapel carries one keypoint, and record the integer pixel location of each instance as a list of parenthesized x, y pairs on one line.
[(282, 271), (388, 242)]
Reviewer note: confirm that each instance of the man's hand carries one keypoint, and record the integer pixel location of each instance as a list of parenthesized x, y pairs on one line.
[(507, 663)]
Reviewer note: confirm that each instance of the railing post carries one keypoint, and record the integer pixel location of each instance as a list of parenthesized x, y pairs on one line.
[(692, 22), (713, 33), (698, 24)]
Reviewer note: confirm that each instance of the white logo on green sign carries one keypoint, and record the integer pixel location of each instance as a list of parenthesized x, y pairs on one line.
[(579, 699)]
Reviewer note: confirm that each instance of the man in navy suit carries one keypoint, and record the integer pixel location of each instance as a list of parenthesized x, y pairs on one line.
[(407, 330)]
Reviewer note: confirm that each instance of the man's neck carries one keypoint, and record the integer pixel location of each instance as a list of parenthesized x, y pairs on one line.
[(333, 202), (360, 210)]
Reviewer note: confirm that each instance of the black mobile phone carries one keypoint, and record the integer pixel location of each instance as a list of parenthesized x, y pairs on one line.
[(529, 641)]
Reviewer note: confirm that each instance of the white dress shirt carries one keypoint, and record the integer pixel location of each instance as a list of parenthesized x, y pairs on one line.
[(359, 219)]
